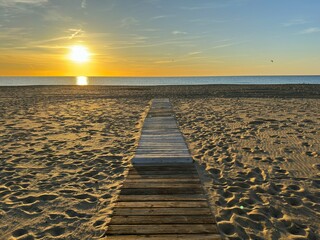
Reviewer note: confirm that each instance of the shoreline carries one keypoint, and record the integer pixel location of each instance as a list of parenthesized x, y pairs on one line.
[(310, 91)]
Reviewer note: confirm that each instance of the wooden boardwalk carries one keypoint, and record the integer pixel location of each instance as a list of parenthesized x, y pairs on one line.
[(161, 141), (162, 196)]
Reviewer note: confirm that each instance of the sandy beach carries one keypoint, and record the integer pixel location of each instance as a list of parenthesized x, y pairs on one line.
[(263, 160), (64, 152), (62, 162)]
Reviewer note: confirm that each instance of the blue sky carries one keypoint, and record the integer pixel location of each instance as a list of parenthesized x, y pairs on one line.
[(160, 37)]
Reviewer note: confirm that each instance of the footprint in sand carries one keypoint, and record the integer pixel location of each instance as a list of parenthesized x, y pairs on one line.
[(316, 183), (316, 166), (248, 223), (293, 201), (98, 223), (74, 214), (214, 171), (55, 231), (312, 154), (227, 228), (19, 232), (297, 230), (55, 216)]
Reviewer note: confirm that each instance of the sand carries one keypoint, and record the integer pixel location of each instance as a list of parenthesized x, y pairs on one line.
[(62, 163), (64, 152), (263, 160)]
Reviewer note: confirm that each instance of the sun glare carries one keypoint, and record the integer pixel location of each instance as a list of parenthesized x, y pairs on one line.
[(79, 54), (82, 80)]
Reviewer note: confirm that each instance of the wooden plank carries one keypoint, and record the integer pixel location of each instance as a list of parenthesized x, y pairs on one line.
[(159, 139), (175, 197), (164, 159), (176, 176), (160, 211), (162, 229), (160, 158), (167, 237), (160, 191), (167, 204), (172, 172), (158, 171), (127, 220), (151, 145), (159, 148), (167, 167), (164, 180), (167, 131), (179, 145), (163, 168), (162, 151), (160, 185)]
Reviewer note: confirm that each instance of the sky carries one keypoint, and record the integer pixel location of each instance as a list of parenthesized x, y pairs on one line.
[(160, 37)]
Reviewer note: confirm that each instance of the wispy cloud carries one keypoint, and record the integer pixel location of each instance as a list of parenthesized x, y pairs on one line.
[(54, 15), (75, 32), (179, 32), (294, 22), (160, 17), (129, 21), (224, 45), (194, 53), (9, 34), (310, 30), (214, 4), (11, 3), (84, 4)]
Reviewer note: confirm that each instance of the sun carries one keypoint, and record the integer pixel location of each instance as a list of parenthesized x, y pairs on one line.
[(79, 54)]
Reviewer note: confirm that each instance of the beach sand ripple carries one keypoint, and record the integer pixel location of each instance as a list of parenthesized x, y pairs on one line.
[(262, 156), (62, 162)]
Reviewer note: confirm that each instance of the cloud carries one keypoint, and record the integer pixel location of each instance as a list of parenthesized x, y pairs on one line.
[(197, 8), (54, 15), (12, 3), (310, 30), (159, 17), (84, 4), (129, 21), (178, 33), (295, 22), (194, 53), (214, 5), (75, 33), (9, 34)]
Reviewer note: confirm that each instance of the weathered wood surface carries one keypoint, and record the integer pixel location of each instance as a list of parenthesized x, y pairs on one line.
[(152, 211), (118, 220), (175, 197), (162, 229), (162, 208), (161, 141), (167, 237), (162, 197)]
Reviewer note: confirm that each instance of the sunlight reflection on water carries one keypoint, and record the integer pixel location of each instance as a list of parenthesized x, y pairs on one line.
[(82, 81)]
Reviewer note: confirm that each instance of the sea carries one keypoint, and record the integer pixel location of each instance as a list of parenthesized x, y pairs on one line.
[(157, 81)]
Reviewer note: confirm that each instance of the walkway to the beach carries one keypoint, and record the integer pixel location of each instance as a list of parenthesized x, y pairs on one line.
[(162, 197)]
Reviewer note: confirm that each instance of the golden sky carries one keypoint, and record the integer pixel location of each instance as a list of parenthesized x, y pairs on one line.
[(160, 37)]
